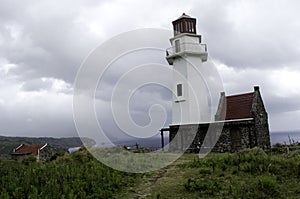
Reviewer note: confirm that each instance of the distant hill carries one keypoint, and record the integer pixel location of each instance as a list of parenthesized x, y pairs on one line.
[(7, 144)]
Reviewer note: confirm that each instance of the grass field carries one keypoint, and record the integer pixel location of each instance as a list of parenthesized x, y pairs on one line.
[(247, 174)]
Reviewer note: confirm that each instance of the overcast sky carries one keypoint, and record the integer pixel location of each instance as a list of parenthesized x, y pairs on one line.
[(43, 43)]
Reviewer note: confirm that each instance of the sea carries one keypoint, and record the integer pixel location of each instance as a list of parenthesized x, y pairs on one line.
[(292, 137), (154, 143)]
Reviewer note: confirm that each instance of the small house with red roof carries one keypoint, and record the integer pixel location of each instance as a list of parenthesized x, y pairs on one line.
[(26, 150), (241, 122), (245, 122)]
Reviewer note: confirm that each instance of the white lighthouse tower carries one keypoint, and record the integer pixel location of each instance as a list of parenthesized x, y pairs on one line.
[(187, 54)]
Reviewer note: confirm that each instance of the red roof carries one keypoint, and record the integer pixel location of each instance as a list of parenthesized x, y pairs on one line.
[(239, 106), (27, 150)]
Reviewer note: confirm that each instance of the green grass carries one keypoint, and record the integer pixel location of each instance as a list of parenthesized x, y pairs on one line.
[(70, 176), (247, 174)]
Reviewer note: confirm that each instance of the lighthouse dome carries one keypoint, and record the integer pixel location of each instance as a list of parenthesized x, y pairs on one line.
[(184, 24)]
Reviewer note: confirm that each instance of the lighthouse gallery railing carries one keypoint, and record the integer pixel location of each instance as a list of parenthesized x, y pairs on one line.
[(186, 47)]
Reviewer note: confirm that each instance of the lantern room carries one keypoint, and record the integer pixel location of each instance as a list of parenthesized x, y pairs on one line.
[(184, 24)]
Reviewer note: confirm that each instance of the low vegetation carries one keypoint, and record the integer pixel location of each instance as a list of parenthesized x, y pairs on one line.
[(247, 174), (77, 175)]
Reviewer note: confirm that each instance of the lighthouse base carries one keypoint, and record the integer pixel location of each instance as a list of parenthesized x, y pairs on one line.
[(226, 136)]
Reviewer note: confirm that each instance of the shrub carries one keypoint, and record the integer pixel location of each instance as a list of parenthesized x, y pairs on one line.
[(295, 153), (29, 159), (207, 187), (205, 171), (263, 187), (71, 176)]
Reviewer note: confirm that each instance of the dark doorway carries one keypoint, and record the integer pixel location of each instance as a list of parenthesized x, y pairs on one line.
[(235, 139)]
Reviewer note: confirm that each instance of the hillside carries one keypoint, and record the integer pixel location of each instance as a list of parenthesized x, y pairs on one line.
[(77, 175), (247, 174), (7, 144)]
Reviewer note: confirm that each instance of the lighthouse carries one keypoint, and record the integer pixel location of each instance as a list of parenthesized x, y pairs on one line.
[(187, 55), (241, 120)]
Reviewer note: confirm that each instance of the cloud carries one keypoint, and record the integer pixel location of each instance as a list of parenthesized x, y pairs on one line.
[(37, 107), (36, 85), (35, 113), (45, 42), (253, 34), (42, 45), (47, 84), (290, 118), (279, 89)]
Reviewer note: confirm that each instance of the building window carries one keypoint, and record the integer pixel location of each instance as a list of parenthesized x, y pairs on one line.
[(181, 26), (186, 26), (179, 90), (177, 28), (177, 46)]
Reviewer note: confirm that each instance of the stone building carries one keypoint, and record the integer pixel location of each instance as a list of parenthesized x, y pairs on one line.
[(241, 122)]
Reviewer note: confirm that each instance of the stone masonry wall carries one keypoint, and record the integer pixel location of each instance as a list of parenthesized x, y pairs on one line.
[(196, 133), (261, 121), (234, 136)]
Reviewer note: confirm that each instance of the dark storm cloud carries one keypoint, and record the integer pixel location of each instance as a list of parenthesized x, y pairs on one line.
[(44, 41), (49, 40), (130, 61)]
